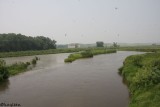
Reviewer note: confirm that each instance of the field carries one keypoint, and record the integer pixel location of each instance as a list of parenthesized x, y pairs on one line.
[(149, 48)]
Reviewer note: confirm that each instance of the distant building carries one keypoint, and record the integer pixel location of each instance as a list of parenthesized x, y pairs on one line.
[(74, 45)]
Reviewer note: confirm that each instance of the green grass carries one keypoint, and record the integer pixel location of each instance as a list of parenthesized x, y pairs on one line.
[(97, 51), (70, 50), (88, 53), (142, 75), (39, 52), (141, 48), (20, 67), (16, 68), (73, 57)]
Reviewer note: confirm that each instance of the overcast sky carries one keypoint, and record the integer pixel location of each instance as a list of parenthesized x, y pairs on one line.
[(83, 21)]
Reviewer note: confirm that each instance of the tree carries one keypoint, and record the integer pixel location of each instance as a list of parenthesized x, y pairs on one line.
[(18, 42), (115, 45), (100, 44)]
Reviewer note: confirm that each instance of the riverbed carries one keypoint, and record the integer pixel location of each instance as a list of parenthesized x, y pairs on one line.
[(91, 82)]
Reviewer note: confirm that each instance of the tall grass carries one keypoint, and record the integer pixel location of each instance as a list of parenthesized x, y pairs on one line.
[(17, 68), (142, 74)]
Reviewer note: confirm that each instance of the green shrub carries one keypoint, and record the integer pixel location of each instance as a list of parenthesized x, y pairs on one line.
[(4, 74), (34, 61), (136, 60), (156, 64), (28, 63), (120, 70), (36, 58)]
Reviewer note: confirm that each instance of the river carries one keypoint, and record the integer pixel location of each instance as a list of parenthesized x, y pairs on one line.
[(92, 82)]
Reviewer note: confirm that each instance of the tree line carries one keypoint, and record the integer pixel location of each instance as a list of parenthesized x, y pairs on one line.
[(18, 42)]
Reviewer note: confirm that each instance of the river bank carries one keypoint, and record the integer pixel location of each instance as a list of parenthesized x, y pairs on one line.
[(9, 70), (140, 48), (142, 75), (43, 52), (39, 52), (91, 82)]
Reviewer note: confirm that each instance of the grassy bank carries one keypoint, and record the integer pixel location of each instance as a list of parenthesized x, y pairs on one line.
[(88, 53), (142, 75), (40, 52), (141, 48), (7, 71)]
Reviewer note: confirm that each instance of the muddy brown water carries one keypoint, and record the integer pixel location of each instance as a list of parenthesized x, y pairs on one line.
[(92, 82)]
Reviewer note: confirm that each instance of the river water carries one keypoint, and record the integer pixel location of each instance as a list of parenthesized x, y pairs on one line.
[(92, 82)]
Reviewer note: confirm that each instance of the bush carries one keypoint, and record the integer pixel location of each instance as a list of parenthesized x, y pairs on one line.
[(137, 60), (156, 64), (36, 58), (120, 70), (28, 63), (34, 61), (4, 74)]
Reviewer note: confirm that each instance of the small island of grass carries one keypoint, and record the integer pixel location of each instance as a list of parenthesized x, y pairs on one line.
[(88, 53)]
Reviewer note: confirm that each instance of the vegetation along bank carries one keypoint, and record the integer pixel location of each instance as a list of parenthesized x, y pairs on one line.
[(39, 52), (142, 75), (9, 70), (140, 48)]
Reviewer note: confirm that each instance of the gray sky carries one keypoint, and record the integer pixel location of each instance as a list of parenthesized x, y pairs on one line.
[(83, 21)]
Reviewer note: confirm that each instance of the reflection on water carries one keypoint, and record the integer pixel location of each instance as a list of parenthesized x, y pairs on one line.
[(4, 85), (92, 82)]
